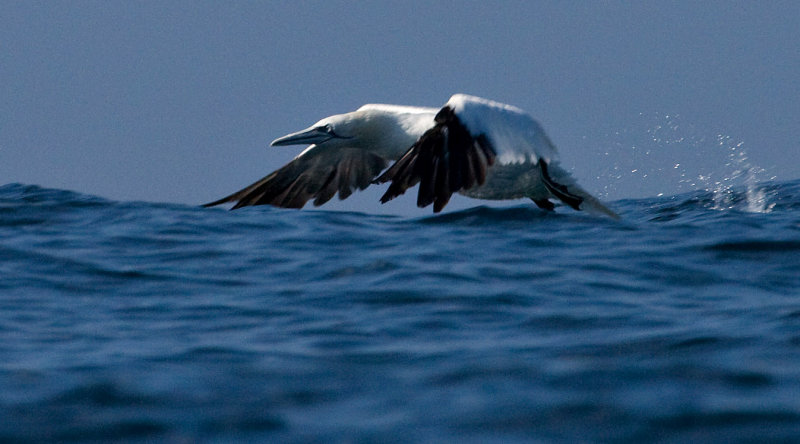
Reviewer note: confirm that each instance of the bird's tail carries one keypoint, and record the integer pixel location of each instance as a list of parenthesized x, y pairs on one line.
[(562, 186)]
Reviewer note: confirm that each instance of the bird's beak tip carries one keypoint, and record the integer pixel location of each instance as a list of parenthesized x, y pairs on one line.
[(285, 140), (307, 136)]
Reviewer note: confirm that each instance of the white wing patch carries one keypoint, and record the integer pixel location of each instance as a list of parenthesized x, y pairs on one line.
[(514, 134)]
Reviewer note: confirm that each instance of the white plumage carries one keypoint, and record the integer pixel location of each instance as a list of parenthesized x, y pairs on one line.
[(516, 136), (473, 146)]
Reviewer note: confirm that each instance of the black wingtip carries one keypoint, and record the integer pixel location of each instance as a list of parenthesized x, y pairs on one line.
[(215, 203)]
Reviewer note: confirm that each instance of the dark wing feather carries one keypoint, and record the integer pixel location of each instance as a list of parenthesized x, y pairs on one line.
[(316, 174), (445, 160), (558, 190)]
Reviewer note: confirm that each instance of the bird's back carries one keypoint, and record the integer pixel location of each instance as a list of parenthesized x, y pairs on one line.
[(515, 136), (390, 130)]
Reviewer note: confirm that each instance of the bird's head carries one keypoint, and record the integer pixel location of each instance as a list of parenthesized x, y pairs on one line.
[(384, 130), (333, 130)]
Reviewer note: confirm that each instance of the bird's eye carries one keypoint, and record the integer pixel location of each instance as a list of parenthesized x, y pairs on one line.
[(327, 128)]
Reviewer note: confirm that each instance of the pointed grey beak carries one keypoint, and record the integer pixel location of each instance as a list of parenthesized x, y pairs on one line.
[(305, 137)]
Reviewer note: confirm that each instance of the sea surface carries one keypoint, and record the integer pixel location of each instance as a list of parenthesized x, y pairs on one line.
[(152, 322)]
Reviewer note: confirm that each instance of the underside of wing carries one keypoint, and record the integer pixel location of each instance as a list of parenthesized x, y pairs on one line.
[(315, 174), (445, 160)]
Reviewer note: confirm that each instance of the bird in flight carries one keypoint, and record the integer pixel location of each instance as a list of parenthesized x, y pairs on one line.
[(473, 146)]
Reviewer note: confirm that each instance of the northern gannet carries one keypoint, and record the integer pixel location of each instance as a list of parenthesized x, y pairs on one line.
[(477, 147)]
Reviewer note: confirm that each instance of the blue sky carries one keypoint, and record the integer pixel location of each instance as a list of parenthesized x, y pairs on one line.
[(178, 101)]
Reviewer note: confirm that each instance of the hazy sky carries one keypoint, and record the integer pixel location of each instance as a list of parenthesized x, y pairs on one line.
[(177, 101)]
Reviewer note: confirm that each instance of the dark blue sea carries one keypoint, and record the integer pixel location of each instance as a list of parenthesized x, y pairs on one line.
[(152, 322)]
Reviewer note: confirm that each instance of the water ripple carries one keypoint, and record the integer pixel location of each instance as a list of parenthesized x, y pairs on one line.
[(136, 321)]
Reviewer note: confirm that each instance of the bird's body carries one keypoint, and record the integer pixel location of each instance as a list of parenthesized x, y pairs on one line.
[(473, 146)]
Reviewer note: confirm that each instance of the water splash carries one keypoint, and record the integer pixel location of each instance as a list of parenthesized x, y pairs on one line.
[(659, 149), (667, 156), (739, 172)]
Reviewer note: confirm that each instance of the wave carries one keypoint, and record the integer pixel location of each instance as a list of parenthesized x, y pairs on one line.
[(762, 197), (157, 321)]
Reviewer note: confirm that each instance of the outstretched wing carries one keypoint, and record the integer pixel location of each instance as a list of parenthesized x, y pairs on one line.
[(445, 160), (315, 174)]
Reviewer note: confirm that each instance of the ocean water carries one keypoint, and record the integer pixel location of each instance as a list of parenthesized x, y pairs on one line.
[(148, 322)]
